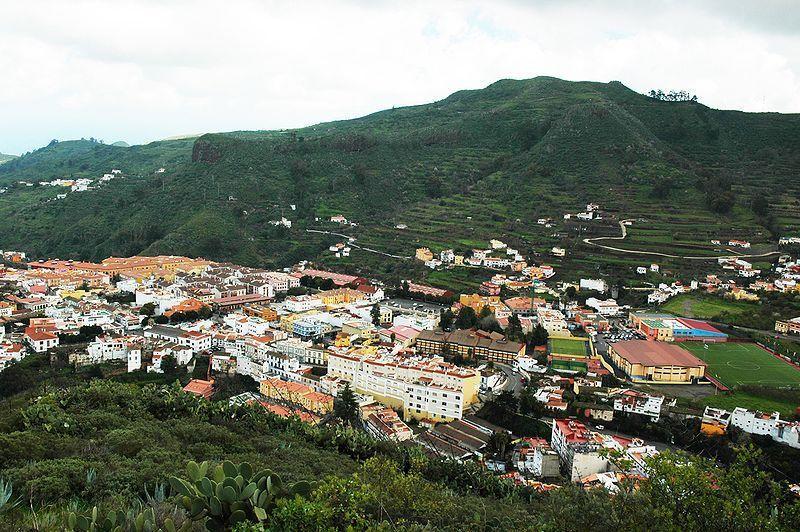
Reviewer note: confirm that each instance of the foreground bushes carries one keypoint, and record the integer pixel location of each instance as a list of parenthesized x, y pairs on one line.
[(120, 444)]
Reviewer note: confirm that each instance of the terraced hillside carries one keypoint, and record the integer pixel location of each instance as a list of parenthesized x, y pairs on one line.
[(476, 165)]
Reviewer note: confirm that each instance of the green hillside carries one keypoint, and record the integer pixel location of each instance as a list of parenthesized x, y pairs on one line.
[(478, 164), (5, 157)]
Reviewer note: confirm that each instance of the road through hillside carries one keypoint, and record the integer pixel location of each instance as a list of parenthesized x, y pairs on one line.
[(593, 242), (352, 240)]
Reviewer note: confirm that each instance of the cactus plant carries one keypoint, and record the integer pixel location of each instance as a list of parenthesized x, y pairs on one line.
[(229, 494), (117, 522)]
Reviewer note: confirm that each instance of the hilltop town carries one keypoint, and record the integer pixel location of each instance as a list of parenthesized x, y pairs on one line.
[(539, 381)]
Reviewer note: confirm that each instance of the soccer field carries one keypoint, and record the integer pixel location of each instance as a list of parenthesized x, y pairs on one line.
[(567, 346), (734, 364)]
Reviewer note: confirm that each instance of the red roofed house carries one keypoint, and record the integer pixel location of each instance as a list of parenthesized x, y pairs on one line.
[(40, 341), (201, 388)]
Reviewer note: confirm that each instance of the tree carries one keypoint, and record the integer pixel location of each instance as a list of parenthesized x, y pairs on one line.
[(466, 318), (672, 96), (490, 323), (148, 309), (662, 188), (375, 313), (169, 365), (485, 312), (345, 406), (446, 318), (528, 405), (507, 401), (570, 293), (405, 289), (514, 329), (498, 443), (538, 336), (760, 205)]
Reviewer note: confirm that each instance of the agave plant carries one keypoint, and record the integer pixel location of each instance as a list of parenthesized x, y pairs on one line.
[(229, 494), (6, 492)]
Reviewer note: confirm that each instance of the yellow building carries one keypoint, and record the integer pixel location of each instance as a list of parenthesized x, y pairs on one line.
[(75, 295), (340, 296), (656, 362), (423, 254), (342, 340), (298, 394), (260, 311), (477, 302), (287, 321)]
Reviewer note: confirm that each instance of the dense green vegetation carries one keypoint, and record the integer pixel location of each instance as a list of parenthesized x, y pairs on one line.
[(114, 446), (478, 164)]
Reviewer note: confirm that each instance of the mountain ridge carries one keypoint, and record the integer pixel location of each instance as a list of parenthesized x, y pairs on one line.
[(515, 150)]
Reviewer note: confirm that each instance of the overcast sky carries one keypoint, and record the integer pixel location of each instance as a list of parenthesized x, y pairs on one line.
[(144, 70)]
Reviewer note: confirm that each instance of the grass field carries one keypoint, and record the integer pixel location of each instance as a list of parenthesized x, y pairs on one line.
[(736, 364), (750, 402), (705, 307), (568, 346), (567, 365)]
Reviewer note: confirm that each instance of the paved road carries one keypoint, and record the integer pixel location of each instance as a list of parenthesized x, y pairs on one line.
[(623, 227), (352, 243), (513, 382)]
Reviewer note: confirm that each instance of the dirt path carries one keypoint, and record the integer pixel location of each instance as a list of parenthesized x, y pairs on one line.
[(351, 240), (624, 229)]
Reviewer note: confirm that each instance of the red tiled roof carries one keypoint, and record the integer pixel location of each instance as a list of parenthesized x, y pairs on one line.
[(40, 336), (200, 387), (651, 353)]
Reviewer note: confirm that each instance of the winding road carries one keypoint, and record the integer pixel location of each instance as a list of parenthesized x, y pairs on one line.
[(623, 228), (351, 240)]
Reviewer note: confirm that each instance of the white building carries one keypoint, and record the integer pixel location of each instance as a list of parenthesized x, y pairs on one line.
[(302, 303), (259, 360), (754, 422), (606, 307), (424, 387), (41, 341), (598, 285), (579, 450), (162, 299), (787, 432), (553, 321), (634, 402)]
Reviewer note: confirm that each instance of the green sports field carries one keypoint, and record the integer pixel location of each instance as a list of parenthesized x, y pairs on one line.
[(568, 365), (735, 364), (569, 346)]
